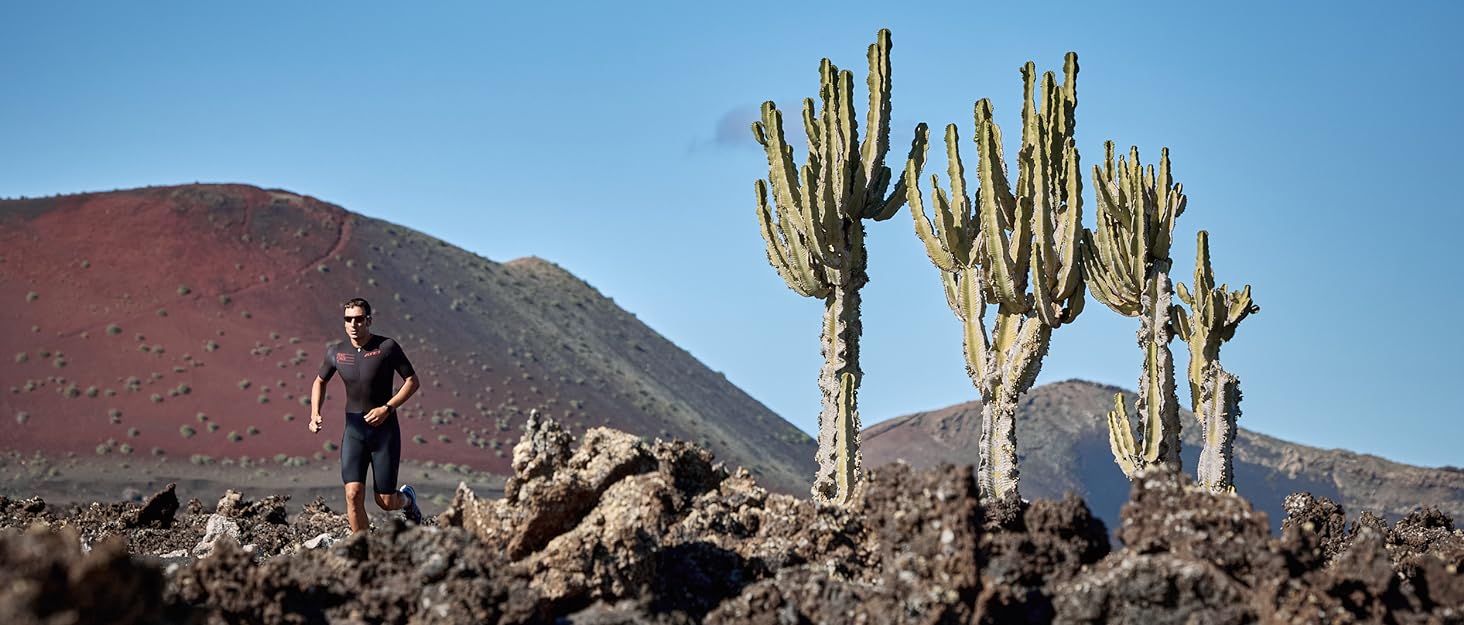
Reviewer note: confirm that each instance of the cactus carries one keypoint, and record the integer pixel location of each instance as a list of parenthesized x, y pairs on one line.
[(815, 239), (1127, 263), (1020, 252), (1214, 392)]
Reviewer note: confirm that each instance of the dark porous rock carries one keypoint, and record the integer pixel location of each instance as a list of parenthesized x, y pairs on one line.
[(1314, 528), (158, 511), (1425, 534), (45, 578), (614, 529), (926, 530), (396, 575), (1167, 513), (1191, 556), (807, 595), (1153, 588), (1055, 542)]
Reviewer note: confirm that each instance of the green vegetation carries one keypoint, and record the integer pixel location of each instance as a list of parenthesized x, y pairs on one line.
[(32, 296), (1017, 250), (113, 329), (1127, 262), (814, 234), (1020, 248), (187, 431), (1214, 314), (184, 290)]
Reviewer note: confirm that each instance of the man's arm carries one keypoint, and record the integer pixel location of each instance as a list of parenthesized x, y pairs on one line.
[(378, 415), (317, 397), (409, 388)]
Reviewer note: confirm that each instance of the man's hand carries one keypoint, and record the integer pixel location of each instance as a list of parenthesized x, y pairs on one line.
[(377, 416), (316, 424)]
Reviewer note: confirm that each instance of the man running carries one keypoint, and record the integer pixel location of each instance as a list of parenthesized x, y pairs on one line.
[(372, 435)]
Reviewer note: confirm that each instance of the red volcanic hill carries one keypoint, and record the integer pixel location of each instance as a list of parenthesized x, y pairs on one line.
[(191, 320)]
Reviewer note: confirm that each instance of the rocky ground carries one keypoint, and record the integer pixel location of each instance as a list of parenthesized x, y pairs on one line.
[(618, 530)]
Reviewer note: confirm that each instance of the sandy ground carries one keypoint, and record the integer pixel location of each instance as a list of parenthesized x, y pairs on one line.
[(82, 479)]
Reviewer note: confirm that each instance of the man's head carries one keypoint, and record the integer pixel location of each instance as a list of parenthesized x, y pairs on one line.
[(357, 314)]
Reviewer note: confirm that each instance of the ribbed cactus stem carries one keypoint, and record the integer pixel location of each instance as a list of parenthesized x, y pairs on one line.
[(1127, 263), (1215, 312), (814, 233), (1157, 405), (1019, 250), (839, 458), (1220, 407)]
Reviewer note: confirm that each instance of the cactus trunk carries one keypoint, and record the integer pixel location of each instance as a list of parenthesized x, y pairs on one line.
[(998, 469), (997, 474), (839, 459), (1020, 252), (1218, 410), (1214, 313), (1157, 405)]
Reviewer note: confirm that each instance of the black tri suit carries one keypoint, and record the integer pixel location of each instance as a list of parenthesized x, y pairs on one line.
[(367, 372)]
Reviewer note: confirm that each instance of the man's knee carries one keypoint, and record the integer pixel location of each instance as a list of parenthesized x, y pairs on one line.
[(355, 492)]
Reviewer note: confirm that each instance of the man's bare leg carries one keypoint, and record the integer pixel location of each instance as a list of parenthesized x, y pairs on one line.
[(391, 501), (356, 506)]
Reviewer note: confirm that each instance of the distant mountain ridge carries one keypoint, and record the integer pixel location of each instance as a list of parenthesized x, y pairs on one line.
[(1062, 441), (189, 321)]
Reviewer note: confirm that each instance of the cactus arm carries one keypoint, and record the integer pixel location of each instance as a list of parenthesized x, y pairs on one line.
[(919, 146), (1025, 360), (782, 173), (877, 123), (1121, 438), (996, 209), (1070, 275), (957, 226), (1240, 307), (785, 253), (970, 304), (933, 246)]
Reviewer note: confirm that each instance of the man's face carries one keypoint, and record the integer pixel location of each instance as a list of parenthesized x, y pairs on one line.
[(357, 323)]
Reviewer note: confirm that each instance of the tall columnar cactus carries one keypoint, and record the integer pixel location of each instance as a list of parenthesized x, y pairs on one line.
[(1127, 265), (815, 238), (1214, 392), (1020, 252)]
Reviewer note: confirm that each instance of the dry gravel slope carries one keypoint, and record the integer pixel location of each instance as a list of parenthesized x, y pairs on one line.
[(1062, 436), (136, 313)]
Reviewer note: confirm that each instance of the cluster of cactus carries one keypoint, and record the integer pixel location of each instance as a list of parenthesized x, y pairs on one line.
[(1023, 251), (1018, 251), (1127, 262), (1214, 313), (815, 238)]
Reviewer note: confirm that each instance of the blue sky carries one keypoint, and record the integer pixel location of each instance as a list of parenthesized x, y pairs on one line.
[(1318, 142)]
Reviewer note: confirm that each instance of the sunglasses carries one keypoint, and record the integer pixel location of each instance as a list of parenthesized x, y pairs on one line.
[(356, 318)]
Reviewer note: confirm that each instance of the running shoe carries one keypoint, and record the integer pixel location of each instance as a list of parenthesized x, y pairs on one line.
[(414, 514)]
